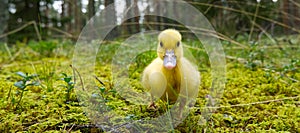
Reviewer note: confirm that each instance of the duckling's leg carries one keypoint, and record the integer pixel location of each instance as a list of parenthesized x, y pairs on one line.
[(186, 101), (181, 107), (152, 106), (158, 83)]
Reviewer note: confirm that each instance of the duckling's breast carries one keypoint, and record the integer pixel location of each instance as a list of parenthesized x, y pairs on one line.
[(173, 87)]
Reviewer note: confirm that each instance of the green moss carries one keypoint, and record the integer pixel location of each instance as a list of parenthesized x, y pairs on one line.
[(44, 108)]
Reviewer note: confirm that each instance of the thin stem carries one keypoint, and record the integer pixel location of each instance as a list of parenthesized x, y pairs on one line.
[(20, 98), (8, 51), (254, 20)]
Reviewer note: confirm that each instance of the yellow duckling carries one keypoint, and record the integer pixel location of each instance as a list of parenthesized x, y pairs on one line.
[(171, 75)]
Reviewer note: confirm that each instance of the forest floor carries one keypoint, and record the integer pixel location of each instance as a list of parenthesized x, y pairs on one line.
[(38, 92)]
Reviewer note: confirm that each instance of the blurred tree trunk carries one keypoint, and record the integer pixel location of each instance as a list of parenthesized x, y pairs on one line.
[(132, 25), (136, 19), (285, 6), (293, 10), (63, 10), (159, 19), (3, 18), (76, 15), (32, 10), (112, 20), (78, 19), (63, 14), (296, 14), (74, 12), (148, 18), (127, 26), (70, 14), (47, 14), (26, 11), (91, 7)]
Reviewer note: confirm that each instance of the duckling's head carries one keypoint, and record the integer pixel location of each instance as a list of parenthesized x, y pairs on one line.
[(169, 48)]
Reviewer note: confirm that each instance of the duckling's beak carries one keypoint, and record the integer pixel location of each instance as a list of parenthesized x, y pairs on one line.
[(169, 59)]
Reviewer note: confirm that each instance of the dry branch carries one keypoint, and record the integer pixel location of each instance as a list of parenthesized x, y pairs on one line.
[(22, 27), (61, 31), (254, 103)]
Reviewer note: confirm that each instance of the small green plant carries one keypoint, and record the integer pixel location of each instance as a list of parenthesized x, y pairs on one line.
[(291, 69), (105, 93), (70, 85), (47, 74), (24, 83), (45, 48), (292, 66), (255, 57)]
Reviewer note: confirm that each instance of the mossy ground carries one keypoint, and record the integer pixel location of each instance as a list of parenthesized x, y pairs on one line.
[(48, 107)]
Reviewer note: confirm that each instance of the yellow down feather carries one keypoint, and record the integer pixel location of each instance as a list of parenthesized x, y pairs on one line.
[(183, 79)]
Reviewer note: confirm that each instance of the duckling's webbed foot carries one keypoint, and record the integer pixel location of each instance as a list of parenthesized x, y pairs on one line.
[(152, 106)]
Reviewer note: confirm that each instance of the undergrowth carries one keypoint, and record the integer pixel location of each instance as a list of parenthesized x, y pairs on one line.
[(263, 74)]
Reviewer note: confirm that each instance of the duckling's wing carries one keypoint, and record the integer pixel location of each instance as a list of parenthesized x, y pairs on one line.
[(190, 79), (154, 80)]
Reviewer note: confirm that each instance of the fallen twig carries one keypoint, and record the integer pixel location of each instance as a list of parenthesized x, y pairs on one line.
[(254, 103), (81, 81), (279, 73), (63, 32), (22, 27)]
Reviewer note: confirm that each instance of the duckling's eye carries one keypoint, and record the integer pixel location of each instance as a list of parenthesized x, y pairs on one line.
[(177, 44), (161, 44)]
